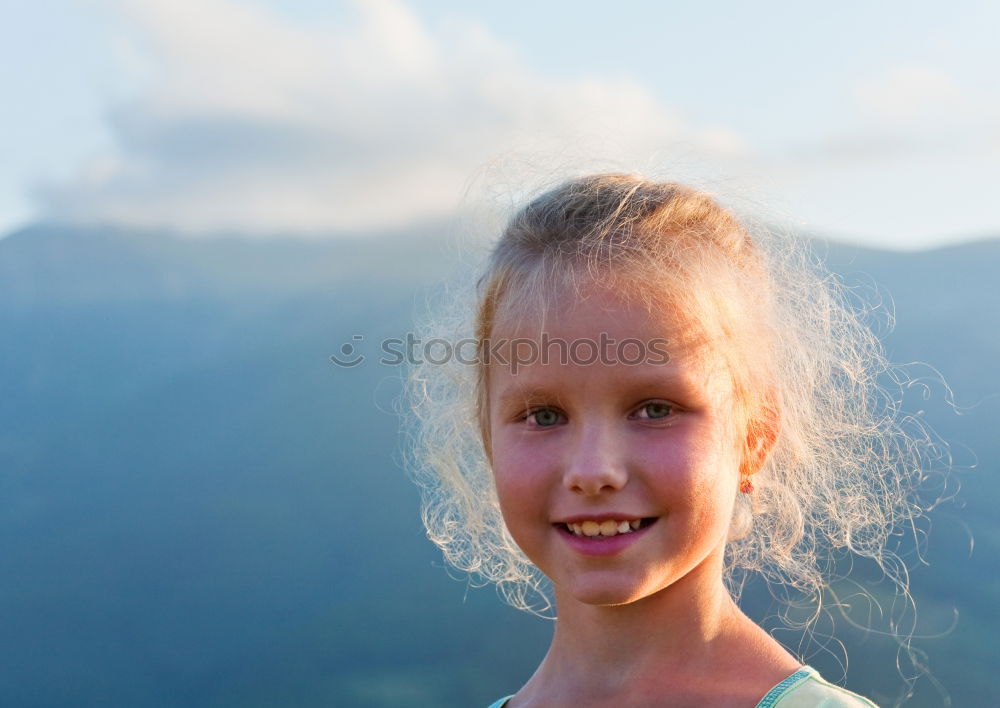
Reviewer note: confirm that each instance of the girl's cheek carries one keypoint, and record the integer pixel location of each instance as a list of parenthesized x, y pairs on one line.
[(520, 478), (516, 471)]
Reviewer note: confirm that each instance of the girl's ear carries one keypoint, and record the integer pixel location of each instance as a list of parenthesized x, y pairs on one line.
[(762, 434)]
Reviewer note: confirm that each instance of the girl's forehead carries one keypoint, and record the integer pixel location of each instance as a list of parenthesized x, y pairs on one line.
[(616, 362), (605, 329), (594, 309), (577, 331)]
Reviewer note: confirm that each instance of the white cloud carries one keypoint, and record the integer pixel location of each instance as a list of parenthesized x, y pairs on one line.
[(905, 92), (916, 115), (929, 109), (252, 122)]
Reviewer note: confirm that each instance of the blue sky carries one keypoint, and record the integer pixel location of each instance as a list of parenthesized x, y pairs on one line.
[(872, 122)]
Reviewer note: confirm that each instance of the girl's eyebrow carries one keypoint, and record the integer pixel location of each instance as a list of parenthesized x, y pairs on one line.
[(519, 395), (654, 382), (656, 376)]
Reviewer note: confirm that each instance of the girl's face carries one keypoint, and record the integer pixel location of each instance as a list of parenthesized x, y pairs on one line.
[(617, 479)]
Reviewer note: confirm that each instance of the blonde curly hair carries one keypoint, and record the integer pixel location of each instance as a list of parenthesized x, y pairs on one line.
[(842, 472)]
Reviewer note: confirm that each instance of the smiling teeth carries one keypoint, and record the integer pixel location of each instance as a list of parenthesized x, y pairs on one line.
[(604, 528)]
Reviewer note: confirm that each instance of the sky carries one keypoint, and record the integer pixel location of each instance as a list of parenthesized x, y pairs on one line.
[(875, 123)]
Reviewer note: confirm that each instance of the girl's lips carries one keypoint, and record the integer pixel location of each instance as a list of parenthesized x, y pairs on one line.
[(603, 545)]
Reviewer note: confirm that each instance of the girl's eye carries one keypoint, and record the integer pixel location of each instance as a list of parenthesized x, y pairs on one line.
[(655, 410), (544, 417)]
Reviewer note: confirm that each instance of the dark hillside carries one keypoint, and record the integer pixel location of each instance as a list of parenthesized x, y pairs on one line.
[(198, 509)]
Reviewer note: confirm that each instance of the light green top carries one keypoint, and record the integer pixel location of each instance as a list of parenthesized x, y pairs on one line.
[(803, 689)]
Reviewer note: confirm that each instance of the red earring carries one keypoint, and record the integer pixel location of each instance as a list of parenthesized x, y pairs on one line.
[(746, 486)]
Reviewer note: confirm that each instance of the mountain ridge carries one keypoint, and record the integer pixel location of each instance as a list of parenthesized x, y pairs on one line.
[(202, 510)]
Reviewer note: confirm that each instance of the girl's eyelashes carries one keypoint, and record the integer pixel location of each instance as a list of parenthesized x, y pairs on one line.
[(543, 417), (655, 410)]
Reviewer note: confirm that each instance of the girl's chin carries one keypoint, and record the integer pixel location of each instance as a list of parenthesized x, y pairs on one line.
[(613, 592)]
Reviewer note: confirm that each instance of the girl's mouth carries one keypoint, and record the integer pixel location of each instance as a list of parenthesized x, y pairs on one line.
[(606, 528)]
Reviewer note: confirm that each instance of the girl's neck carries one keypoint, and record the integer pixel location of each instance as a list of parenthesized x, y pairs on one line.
[(676, 642), (676, 628)]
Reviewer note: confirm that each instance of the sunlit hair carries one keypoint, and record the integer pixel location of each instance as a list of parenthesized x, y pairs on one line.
[(843, 469)]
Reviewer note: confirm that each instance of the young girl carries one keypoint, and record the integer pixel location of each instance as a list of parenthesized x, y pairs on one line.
[(660, 404)]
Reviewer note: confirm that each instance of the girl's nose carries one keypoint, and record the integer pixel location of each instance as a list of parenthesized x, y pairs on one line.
[(595, 464)]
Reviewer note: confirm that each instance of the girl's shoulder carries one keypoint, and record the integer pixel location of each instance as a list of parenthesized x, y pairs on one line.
[(803, 689), (807, 689)]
